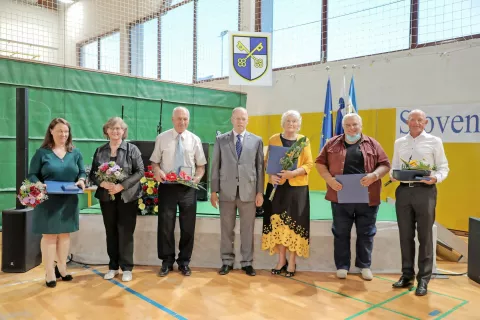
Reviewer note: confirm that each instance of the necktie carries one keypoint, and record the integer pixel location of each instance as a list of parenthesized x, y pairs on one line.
[(179, 158), (238, 146)]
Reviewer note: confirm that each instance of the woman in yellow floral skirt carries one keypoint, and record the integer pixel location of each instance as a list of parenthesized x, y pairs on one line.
[(286, 221)]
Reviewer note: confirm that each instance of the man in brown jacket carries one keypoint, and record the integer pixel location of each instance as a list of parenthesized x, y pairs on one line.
[(353, 153)]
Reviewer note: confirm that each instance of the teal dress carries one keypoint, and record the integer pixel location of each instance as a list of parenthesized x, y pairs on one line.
[(59, 213)]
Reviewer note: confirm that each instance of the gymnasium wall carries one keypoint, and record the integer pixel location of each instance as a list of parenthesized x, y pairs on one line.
[(445, 75), (87, 99)]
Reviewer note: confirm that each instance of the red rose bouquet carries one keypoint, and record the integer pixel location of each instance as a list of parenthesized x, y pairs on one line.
[(32, 194), (183, 178)]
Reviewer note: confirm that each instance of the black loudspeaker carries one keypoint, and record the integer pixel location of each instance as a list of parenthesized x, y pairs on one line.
[(146, 148), (474, 249), (202, 195), (20, 247)]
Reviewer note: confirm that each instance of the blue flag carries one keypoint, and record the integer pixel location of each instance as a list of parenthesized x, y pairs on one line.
[(352, 100), (327, 128), (340, 113)]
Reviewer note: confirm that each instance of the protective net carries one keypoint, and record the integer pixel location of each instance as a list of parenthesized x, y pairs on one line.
[(187, 41)]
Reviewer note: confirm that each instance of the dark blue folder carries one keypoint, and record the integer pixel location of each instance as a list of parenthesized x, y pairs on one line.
[(352, 191), (275, 153), (62, 187)]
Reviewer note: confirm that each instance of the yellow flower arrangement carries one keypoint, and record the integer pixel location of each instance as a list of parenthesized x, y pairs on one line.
[(148, 203)]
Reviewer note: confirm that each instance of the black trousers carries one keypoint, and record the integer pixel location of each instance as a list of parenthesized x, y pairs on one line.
[(120, 219), (364, 217), (169, 196), (415, 208)]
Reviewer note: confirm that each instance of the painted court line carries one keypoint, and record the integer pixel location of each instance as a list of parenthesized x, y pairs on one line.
[(141, 296), (443, 315), (451, 310), (356, 299), (379, 305)]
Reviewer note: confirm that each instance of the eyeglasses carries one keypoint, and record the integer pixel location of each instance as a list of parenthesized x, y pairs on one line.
[(116, 129)]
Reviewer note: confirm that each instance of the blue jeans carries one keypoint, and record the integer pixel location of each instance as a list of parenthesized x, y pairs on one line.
[(365, 217)]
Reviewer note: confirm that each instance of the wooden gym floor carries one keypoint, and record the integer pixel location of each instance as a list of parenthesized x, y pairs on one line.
[(206, 295)]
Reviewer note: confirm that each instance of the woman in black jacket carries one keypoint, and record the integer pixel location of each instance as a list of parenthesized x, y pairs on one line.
[(120, 214)]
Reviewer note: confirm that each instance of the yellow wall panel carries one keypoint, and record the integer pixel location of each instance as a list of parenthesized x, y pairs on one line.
[(455, 194)]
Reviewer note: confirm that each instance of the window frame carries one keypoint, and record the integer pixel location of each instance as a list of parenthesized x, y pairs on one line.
[(91, 40), (158, 15), (413, 35)]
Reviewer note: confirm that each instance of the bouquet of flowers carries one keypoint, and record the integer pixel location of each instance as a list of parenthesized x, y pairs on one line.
[(412, 169), (110, 172), (32, 194), (148, 203), (291, 156), (416, 165), (183, 178)]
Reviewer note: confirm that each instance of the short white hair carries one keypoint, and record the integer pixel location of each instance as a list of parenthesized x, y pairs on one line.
[(416, 111), (181, 108), (351, 115), (239, 108), (292, 113)]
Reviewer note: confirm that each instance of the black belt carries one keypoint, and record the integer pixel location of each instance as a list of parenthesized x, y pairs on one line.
[(416, 184)]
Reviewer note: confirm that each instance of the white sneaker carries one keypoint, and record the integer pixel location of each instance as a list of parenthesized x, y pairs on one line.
[(342, 273), (110, 274), (367, 274), (127, 276)]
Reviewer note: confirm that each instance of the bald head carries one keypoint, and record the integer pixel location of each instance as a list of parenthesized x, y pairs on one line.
[(239, 119)]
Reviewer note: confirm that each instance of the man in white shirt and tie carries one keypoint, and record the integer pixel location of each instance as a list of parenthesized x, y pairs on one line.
[(177, 149), (415, 202)]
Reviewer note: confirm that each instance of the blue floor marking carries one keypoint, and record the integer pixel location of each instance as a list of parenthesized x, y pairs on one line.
[(144, 298)]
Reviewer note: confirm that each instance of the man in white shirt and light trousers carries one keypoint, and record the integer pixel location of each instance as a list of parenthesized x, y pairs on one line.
[(177, 149), (415, 202)]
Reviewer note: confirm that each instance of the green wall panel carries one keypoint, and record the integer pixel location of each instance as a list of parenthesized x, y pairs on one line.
[(147, 117), (43, 106), (7, 110), (88, 99), (7, 163), (31, 74)]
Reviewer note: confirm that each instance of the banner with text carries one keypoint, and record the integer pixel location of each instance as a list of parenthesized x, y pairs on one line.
[(452, 123)]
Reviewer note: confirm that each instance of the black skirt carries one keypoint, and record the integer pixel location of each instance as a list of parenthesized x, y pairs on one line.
[(286, 219)]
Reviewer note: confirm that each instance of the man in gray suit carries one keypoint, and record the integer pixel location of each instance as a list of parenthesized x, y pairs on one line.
[(238, 177)]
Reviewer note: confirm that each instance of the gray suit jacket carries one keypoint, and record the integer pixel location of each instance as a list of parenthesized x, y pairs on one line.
[(228, 171)]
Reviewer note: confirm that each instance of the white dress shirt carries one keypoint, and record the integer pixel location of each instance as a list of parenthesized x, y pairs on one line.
[(426, 148), (164, 152)]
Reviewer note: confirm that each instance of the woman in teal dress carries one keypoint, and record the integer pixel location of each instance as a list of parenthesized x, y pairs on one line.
[(57, 160)]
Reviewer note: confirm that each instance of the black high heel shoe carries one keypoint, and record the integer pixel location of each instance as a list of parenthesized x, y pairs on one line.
[(290, 274), (68, 277), (51, 284), (282, 269)]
